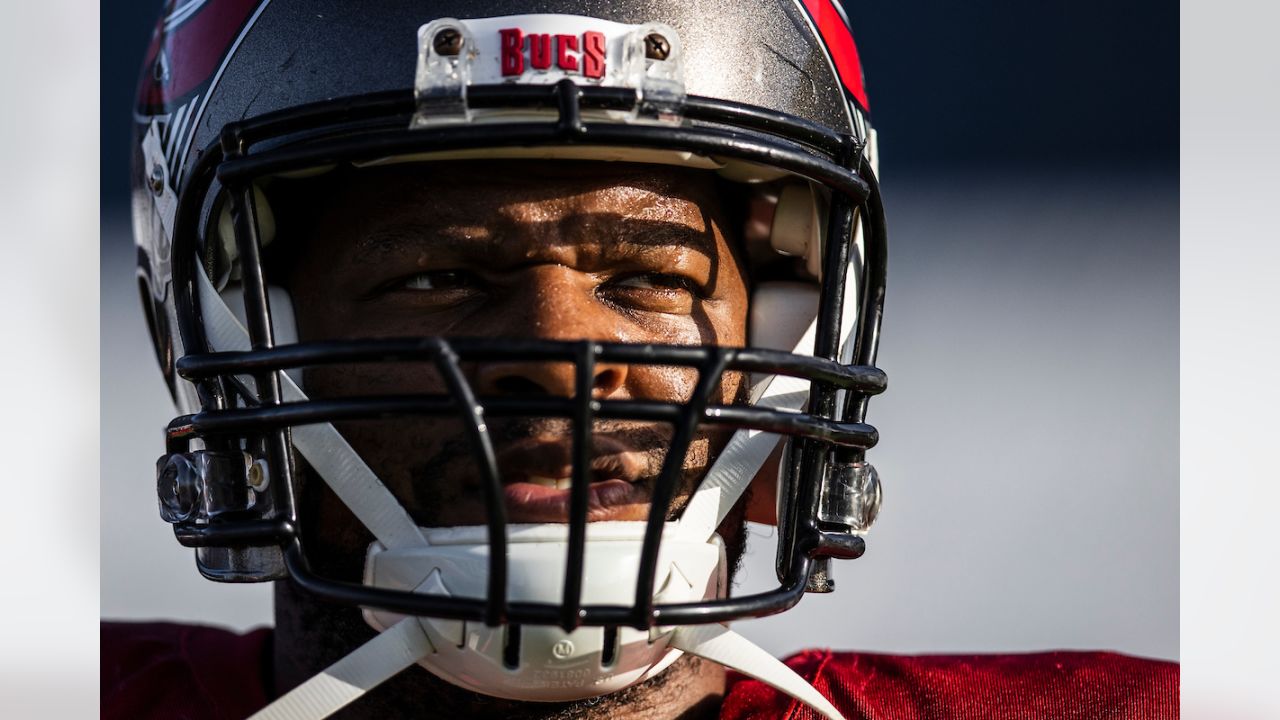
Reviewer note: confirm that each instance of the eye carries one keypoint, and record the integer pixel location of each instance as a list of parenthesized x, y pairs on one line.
[(439, 280), (653, 292), (439, 289), (658, 281)]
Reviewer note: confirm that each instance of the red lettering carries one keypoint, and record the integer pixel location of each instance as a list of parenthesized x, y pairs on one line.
[(540, 51), (512, 42), (564, 60), (593, 48), (593, 54)]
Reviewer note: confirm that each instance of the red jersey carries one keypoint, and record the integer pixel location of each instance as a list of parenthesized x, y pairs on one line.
[(1033, 686), (163, 670), (152, 671)]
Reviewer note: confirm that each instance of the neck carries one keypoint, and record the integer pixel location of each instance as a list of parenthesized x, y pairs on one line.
[(690, 689)]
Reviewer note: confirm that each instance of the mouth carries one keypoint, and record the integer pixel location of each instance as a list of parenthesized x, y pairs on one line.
[(537, 481)]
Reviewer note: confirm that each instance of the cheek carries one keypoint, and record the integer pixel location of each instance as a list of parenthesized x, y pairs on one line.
[(661, 383), (321, 314), (389, 446), (717, 322), (677, 384), (372, 379)]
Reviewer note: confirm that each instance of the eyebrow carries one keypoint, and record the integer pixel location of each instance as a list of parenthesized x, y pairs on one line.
[(393, 238), (631, 236)]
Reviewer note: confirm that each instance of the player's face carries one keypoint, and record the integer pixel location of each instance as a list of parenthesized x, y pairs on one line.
[(561, 251)]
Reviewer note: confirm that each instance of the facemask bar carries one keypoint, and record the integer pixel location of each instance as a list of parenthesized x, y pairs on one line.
[(773, 139), (712, 363), (803, 457)]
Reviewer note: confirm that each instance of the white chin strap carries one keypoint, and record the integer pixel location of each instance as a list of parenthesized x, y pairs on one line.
[(551, 665)]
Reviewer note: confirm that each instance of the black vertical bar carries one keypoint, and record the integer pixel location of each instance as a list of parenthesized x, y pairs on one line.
[(811, 460), (831, 310), (672, 465), (569, 104), (511, 647), (257, 308), (186, 265), (876, 242), (579, 487), (609, 646), (835, 261), (478, 431)]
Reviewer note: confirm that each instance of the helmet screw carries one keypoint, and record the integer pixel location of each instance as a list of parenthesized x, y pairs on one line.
[(257, 475), (156, 180), (656, 47), (447, 42)]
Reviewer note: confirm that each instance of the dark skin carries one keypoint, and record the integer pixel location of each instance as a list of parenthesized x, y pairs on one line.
[(521, 249)]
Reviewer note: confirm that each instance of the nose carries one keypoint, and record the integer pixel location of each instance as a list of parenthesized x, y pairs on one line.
[(557, 379), (553, 303)]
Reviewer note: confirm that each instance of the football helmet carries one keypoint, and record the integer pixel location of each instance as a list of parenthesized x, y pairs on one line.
[(768, 96)]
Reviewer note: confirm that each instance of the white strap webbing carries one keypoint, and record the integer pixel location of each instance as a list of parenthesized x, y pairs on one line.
[(719, 644), (404, 643), (365, 668), (333, 458), (743, 456)]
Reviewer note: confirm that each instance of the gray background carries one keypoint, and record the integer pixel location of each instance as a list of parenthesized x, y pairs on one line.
[(1030, 430)]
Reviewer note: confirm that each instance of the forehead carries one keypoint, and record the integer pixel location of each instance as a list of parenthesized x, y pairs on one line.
[(475, 191)]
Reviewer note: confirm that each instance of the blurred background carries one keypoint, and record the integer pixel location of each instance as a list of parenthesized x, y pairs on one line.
[(1030, 433)]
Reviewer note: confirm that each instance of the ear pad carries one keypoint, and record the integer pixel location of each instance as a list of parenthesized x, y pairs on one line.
[(284, 327), (797, 226), (781, 313), (266, 222), (224, 230)]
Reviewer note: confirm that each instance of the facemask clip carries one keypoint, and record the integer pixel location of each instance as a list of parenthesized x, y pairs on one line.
[(203, 485)]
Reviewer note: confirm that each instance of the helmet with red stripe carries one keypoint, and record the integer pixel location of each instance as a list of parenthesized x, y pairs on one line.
[(243, 103)]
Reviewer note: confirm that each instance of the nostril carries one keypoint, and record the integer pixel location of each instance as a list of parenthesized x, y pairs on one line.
[(608, 380), (517, 385)]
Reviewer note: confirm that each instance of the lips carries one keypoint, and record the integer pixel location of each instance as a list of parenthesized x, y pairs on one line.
[(537, 475)]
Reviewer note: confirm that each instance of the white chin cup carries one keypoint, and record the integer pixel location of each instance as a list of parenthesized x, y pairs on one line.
[(552, 665)]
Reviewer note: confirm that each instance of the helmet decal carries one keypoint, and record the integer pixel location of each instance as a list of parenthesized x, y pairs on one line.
[(834, 30), (573, 53), (186, 50), (190, 47)]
